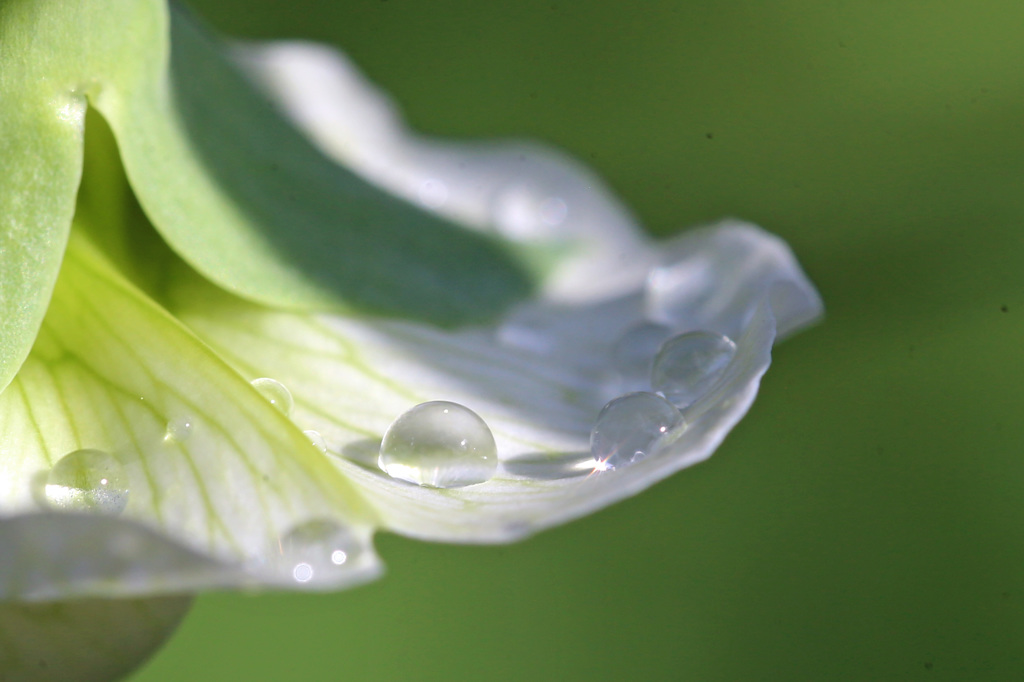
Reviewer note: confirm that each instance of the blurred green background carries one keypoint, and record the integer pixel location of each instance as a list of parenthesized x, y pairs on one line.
[(866, 520)]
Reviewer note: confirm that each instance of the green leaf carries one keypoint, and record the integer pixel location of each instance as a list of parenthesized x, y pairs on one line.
[(82, 640), (41, 122), (231, 186), (216, 477)]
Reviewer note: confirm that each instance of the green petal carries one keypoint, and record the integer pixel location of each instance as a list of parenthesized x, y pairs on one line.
[(41, 124), (83, 640), (232, 187), (217, 478)]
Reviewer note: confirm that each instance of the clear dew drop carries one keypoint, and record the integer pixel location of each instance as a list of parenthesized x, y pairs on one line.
[(439, 445), (179, 430), (632, 427), (87, 480), (688, 365), (276, 394), (317, 440), (317, 549), (633, 355)]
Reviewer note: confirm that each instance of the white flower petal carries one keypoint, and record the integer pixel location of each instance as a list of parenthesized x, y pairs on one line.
[(540, 377), (519, 190)]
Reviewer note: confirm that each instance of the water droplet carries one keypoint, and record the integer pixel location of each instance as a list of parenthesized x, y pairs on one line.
[(316, 549), (317, 440), (88, 480), (179, 430), (440, 445), (631, 428), (633, 356), (688, 365), (275, 393)]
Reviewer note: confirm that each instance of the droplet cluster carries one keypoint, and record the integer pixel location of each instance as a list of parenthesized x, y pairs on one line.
[(661, 373)]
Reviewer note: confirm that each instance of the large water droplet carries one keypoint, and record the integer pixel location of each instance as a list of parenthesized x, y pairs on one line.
[(631, 428), (275, 393), (633, 356), (317, 440), (88, 480), (316, 549), (688, 365), (441, 445), (179, 430)]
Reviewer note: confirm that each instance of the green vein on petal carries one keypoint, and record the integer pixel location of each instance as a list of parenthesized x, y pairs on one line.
[(111, 371)]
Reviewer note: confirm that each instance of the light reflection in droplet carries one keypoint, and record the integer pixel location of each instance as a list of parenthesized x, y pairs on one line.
[(276, 393), (302, 572), (317, 549), (688, 365), (179, 430), (631, 428), (317, 441)]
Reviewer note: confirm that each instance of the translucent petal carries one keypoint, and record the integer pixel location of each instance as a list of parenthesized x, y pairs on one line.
[(109, 372), (538, 377), (84, 639), (351, 377)]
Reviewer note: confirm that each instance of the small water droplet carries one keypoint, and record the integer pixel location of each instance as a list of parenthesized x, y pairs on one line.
[(317, 548), (276, 394), (88, 480), (633, 354), (633, 427), (440, 445), (179, 430), (317, 440), (688, 365)]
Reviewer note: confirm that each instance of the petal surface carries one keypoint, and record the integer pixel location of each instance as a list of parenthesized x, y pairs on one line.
[(541, 375), (351, 377), (85, 639), (214, 479)]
